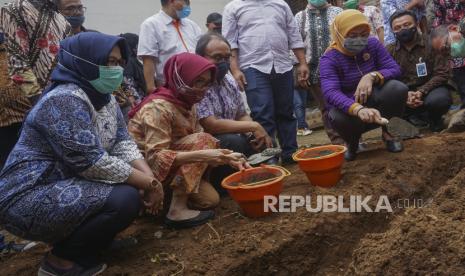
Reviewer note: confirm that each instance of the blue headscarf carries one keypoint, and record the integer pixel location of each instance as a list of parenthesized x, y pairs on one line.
[(94, 47)]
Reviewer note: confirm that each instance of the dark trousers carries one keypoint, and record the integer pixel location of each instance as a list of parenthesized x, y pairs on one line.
[(436, 103), (459, 79), (96, 233), (389, 100), (234, 142), (9, 136), (271, 101), (300, 105), (317, 94)]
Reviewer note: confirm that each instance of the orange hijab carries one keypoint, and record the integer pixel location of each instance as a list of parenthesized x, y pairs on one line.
[(343, 23)]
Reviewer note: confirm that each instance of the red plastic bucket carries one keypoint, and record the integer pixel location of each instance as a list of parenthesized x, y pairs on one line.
[(250, 197), (322, 165)]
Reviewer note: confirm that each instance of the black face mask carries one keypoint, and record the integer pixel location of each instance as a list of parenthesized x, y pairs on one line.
[(406, 35), (222, 69)]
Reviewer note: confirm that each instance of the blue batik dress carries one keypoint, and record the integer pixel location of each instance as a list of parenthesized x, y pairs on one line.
[(64, 166)]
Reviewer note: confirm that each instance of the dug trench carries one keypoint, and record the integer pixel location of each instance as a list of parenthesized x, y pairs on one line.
[(409, 240)]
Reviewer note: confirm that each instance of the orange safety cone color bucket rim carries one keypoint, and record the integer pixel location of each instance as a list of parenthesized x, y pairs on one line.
[(251, 197), (297, 158), (323, 171)]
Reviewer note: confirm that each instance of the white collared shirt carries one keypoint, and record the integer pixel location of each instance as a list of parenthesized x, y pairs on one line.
[(264, 31), (159, 38)]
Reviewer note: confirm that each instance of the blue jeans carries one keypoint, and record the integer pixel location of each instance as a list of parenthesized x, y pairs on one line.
[(300, 104), (271, 102)]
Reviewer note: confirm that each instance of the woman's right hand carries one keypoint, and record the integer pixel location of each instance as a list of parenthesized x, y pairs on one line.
[(216, 157), (153, 197), (370, 115)]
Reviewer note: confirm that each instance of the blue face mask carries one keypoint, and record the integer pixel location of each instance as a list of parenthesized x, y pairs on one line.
[(109, 79), (184, 12), (76, 21), (2, 38)]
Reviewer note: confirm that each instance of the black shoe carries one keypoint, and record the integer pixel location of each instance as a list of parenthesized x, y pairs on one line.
[(273, 161), (351, 153), (394, 146), (436, 125), (202, 218), (46, 269), (417, 121), (287, 161)]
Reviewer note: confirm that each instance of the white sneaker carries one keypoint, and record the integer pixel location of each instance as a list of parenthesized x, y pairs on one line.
[(304, 132)]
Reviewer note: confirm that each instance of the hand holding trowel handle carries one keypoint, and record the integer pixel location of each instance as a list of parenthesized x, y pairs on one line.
[(395, 126), (371, 115)]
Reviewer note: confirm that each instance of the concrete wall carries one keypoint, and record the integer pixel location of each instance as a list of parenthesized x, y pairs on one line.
[(119, 16)]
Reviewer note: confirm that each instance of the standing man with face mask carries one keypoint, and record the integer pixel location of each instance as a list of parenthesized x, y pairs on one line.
[(424, 72), (261, 34), (163, 35), (73, 11)]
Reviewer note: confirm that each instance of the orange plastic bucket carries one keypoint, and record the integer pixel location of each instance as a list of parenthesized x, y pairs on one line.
[(322, 165), (250, 197)]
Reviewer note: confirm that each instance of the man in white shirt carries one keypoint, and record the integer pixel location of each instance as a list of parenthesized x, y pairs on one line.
[(261, 34), (163, 35)]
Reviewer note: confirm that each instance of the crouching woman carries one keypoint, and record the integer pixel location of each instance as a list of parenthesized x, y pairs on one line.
[(358, 82), (74, 178), (167, 131)]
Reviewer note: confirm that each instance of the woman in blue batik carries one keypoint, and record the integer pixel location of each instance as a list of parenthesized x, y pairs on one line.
[(72, 179)]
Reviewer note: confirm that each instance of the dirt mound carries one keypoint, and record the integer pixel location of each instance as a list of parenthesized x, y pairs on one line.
[(408, 240), (421, 241)]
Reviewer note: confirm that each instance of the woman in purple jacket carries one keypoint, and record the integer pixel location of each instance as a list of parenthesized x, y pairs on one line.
[(357, 78)]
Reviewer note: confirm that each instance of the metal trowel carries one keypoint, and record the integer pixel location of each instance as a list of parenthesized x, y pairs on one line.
[(263, 156), (400, 128)]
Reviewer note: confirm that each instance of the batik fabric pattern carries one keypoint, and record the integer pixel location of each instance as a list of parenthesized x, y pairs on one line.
[(33, 31), (161, 130), (64, 166)]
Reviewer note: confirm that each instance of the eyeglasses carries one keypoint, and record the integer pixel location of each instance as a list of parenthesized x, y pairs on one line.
[(398, 28), (74, 10), (201, 85), (116, 62), (187, 2), (219, 58)]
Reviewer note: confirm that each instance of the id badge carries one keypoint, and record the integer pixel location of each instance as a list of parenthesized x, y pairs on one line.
[(421, 69)]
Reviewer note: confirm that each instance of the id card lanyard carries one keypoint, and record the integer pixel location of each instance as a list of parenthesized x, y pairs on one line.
[(422, 71)]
